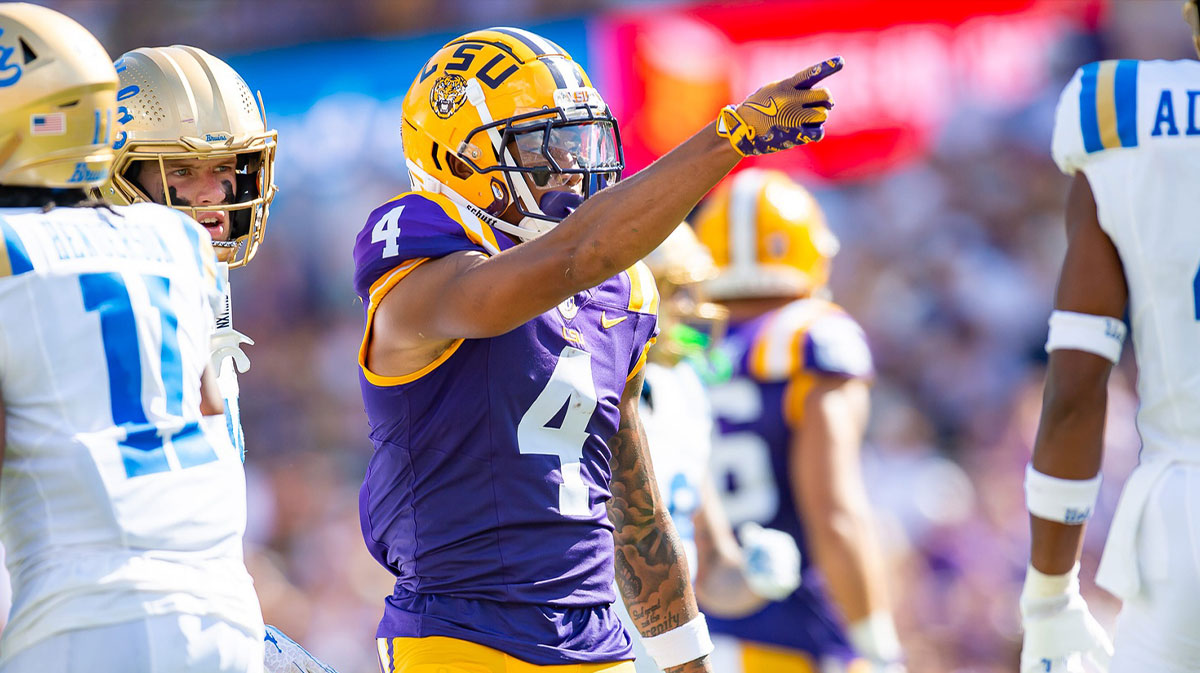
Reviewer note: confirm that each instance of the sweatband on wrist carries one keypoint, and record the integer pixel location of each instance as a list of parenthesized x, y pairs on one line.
[(874, 637), (1068, 501), (1097, 334), (681, 644)]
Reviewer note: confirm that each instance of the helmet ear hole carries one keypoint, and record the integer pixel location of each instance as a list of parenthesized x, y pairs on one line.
[(458, 167)]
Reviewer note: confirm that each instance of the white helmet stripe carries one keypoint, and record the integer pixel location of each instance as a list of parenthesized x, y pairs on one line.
[(536, 42), (743, 220), (564, 75)]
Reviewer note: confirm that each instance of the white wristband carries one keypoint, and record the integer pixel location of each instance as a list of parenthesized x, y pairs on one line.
[(681, 644), (875, 638), (1068, 501), (1096, 334)]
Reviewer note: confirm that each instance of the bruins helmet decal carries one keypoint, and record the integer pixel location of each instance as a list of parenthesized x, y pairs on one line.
[(182, 103), (59, 93), (767, 235), (503, 122)]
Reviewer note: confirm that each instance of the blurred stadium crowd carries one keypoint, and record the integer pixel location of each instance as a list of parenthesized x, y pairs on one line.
[(949, 263)]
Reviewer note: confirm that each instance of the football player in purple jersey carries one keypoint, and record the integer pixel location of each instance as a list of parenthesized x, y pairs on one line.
[(790, 421), (506, 327)]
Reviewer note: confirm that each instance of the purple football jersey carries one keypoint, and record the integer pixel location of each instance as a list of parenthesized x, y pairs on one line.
[(774, 357), (486, 493)]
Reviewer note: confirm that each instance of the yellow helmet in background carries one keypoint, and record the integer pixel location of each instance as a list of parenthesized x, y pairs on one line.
[(57, 99), (767, 235), (690, 325), (500, 114), (181, 102)]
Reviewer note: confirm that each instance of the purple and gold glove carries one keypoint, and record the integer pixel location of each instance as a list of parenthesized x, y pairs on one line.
[(782, 114)]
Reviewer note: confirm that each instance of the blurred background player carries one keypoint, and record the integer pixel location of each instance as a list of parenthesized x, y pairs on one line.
[(502, 357), (679, 428), (194, 137), (122, 502), (1126, 131), (791, 421)]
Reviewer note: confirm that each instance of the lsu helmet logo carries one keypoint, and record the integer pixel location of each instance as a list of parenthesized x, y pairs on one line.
[(448, 93)]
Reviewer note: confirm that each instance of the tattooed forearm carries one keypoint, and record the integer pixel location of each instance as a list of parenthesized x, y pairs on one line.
[(651, 567)]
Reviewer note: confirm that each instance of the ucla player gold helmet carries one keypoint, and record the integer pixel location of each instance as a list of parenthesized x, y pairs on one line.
[(57, 101), (505, 123), (767, 235), (181, 102)]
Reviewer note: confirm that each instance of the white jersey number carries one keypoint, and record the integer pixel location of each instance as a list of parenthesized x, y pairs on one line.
[(387, 229), (571, 385), (741, 461), (148, 447)]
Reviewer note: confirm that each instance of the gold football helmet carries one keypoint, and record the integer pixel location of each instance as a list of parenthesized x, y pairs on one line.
[(689, 325), (57, 100), (507, 125), (767, 235), (181, 102)]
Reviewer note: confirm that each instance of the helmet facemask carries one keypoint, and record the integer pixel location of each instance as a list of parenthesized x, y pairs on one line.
[(552, 160), (248, 196)]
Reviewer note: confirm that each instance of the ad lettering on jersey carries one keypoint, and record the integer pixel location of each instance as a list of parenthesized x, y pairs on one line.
[(1164, 115)]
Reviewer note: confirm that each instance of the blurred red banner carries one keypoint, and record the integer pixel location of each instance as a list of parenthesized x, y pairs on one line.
[(666, 72)]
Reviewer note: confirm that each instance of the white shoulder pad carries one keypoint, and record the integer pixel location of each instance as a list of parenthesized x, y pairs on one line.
[(1097, 111), (835, 344)]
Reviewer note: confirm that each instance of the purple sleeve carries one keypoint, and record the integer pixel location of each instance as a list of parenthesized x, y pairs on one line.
[(646, 330), (837, 346), (408, 227)]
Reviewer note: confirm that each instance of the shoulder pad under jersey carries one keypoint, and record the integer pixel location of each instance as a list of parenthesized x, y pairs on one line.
[(643, 291), (1097, 111), (413, 227), (809, 335)]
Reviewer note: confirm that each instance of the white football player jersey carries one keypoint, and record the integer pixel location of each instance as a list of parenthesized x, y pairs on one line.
[(1133, 129), (118, 499)]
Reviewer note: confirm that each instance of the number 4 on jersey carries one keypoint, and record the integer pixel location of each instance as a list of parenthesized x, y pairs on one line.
[(387, 229), (570, 384)]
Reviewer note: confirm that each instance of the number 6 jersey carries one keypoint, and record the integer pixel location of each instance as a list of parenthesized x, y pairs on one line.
[(486, 492), (118, 500)]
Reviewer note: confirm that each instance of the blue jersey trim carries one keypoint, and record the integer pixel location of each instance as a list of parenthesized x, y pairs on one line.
[(17, 257), (1088, 123), (1125, 95)]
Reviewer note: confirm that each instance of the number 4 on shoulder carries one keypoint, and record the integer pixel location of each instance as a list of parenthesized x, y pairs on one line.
[(387, 229)]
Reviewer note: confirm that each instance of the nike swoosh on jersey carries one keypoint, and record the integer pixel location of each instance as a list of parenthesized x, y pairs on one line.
[(770, 109), (606, 323)]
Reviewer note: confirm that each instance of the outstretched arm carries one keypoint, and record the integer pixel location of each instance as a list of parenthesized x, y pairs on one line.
[(651, 568), (469, 295)]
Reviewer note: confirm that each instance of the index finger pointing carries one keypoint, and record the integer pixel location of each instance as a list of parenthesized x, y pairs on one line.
[(813, 75)]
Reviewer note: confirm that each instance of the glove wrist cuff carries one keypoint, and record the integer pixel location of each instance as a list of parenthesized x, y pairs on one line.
[(1040, 585), (731, 126)]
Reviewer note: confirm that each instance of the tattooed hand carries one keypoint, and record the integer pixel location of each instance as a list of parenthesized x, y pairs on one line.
[(651, 568)]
